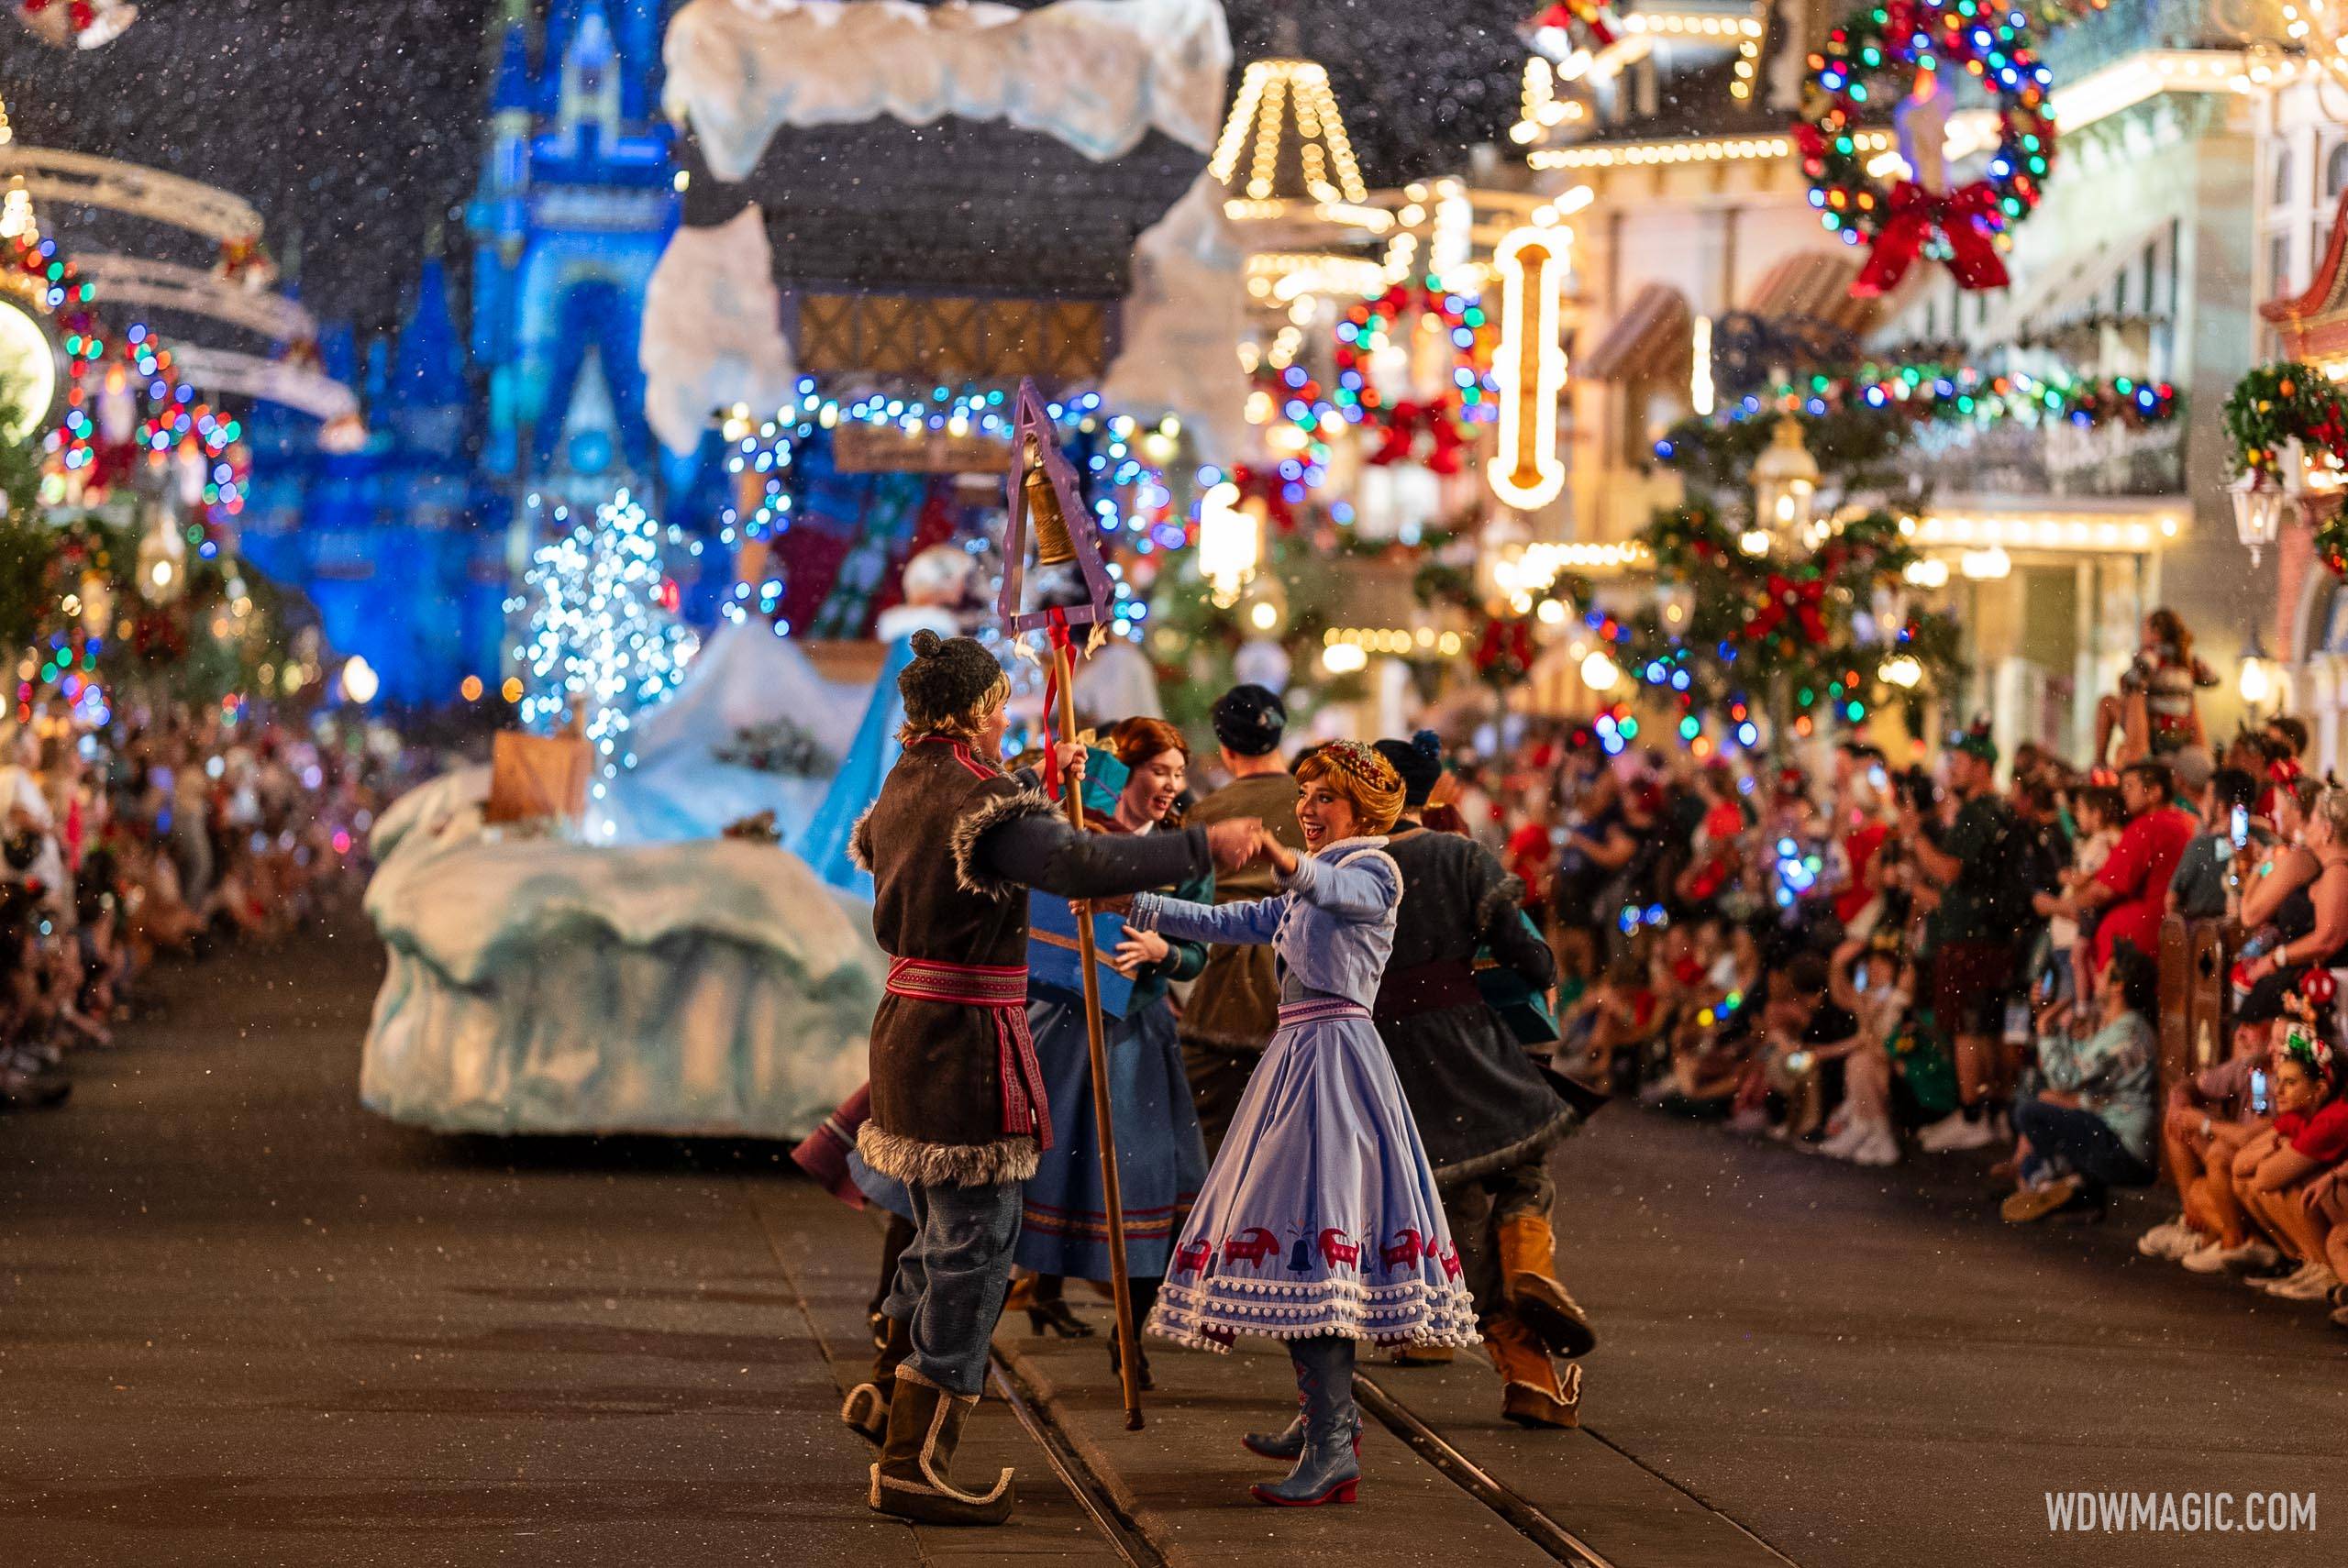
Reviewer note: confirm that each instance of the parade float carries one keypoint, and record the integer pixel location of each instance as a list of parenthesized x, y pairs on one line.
[(641, 916)]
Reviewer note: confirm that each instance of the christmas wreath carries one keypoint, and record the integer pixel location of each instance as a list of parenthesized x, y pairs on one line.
[(1401, 422), (2276, 404), (1864, 60)]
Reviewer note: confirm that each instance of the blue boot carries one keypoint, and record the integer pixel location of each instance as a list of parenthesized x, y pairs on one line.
[(1289, 1442), (1326, 1469)]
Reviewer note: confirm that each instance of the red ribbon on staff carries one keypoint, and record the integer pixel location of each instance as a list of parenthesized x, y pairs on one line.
[(1962, 216), (1057, 632)]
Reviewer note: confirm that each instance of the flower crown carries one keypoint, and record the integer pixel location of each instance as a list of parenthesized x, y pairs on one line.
[(1362, 764)]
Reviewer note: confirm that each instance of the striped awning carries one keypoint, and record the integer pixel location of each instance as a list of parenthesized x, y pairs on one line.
[(1651, 338)]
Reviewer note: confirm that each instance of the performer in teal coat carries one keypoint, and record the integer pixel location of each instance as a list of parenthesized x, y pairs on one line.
[(1161, 1156)]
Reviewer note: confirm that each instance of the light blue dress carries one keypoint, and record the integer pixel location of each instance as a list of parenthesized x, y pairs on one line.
[(1320, 1214)]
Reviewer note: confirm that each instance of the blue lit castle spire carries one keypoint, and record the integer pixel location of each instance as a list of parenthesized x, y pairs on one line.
[(576, 200)]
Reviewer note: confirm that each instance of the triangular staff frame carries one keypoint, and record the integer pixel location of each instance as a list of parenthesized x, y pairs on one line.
[(1031, 419)]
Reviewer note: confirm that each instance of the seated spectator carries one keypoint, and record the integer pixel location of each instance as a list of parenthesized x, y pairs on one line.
[(2208, 1117), (2090, 1129), (2274, 1173), (1870, 981)]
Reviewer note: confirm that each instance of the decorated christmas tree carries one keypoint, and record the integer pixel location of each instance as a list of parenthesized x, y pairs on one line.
[(603, 638)]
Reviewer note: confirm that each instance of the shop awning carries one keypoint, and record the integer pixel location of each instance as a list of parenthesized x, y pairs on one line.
[(2107, 286), (1815, 286), (1651, 338), (2314, 324)]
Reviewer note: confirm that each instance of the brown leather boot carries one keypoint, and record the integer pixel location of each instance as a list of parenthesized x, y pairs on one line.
[(1423, 1356), (910, 1480), (865, 1410), (1532, 1394), (1529, 1281)]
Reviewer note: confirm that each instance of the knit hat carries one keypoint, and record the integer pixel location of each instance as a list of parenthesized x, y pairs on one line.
[(1248, 721), (949, 679), (1420, 762)]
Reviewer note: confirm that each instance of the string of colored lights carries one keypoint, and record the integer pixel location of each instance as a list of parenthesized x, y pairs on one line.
[(104, 421), (1937, 394)]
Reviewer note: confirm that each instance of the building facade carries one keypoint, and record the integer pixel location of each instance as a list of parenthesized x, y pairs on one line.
[(1703, 269)]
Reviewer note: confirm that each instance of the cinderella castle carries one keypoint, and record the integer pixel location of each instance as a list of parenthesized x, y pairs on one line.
[(408, 546)]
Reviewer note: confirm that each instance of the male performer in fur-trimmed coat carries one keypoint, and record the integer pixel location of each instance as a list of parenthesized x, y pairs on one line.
[(958, 1103)]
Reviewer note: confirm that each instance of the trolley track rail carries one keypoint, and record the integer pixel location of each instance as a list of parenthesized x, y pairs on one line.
[(1124, 1534), (1525, 1516)]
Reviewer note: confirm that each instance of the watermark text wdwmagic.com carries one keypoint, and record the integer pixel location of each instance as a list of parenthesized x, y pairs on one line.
[(2181, 1513)]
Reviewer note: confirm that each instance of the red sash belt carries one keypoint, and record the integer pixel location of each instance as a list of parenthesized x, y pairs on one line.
[(1000, 989)]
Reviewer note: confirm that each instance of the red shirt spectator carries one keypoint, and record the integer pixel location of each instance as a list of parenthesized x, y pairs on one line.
[(1858, 853), (2138, 873), (2322, 1137)]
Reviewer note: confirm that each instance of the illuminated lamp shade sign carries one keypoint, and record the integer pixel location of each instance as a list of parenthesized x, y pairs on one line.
[(28, 372), (1530, 366)]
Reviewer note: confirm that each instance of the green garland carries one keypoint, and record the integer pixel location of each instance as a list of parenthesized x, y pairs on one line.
[(1755, 626)]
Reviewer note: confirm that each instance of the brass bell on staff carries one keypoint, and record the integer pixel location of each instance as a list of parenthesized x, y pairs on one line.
[(1053, 546)]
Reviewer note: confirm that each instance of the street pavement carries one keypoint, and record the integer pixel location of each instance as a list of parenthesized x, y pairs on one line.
[(244, 1322)]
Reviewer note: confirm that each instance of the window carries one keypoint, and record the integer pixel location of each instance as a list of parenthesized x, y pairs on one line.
[(2151, 258), (2119, 292), (2283, 197), (2279, 263), (2335, 171)]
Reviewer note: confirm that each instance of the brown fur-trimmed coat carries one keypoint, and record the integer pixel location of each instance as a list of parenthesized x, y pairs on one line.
[(953, 845)]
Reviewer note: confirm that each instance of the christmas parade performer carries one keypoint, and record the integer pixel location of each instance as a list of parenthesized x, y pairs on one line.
[(1235, 1005), (1485, 1112), (958, 1112), (1319, 1224), (1064, 1231)]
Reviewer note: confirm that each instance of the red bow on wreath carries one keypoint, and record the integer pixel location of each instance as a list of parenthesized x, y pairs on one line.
[(1399, 433), (1963, 216), (1504, 651), (1803, 600), (1266, 486)]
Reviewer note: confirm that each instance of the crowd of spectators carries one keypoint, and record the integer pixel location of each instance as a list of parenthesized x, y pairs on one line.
[(165, 836), (1872, 962)]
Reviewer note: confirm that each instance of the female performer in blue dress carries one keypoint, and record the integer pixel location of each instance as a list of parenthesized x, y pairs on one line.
[(1161, 1156), (1319, 1224)]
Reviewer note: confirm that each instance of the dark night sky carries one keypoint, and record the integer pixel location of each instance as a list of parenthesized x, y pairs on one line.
[(352, 124)]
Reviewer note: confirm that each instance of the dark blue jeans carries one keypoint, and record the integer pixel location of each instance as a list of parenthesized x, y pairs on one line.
[(2082, 1140), (950, 1281)]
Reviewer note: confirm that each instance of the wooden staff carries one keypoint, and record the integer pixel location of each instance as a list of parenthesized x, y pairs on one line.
[(1120, 1289)]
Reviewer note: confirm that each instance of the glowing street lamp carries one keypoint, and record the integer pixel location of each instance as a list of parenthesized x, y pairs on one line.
[(2258, 510), (1785, 483)]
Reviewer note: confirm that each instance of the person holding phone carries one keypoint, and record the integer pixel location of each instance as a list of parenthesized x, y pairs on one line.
[(2203, 880)]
